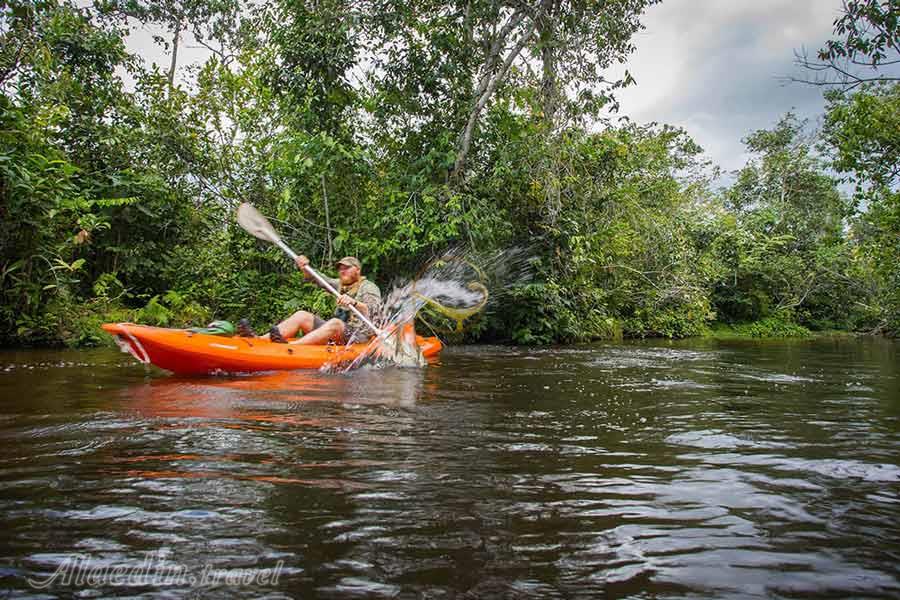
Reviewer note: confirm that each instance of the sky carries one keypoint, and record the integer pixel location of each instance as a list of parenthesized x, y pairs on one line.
[(712, 67)]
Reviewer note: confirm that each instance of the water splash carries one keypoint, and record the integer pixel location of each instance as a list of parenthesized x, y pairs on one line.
[(458, 284)]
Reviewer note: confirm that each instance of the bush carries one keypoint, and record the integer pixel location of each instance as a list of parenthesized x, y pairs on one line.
[(772, 327)]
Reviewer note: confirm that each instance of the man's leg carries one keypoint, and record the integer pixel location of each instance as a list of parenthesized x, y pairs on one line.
[(299, 321), (331, 329)]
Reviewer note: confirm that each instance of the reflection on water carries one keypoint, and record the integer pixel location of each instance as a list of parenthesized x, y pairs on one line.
[(645, 469)]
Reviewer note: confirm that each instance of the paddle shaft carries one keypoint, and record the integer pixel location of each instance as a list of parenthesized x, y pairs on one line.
[(324, 284)]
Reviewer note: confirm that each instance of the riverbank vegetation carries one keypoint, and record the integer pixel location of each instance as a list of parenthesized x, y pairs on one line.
[(392, 131)]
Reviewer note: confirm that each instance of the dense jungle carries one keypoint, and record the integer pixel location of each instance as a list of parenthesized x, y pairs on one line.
[(393, 131)]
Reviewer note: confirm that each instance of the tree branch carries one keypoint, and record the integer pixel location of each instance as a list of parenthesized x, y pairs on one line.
[(846, 79), (494, 52), (465, 139)]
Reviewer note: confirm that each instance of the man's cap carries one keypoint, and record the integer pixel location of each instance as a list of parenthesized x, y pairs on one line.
[(350, 261)]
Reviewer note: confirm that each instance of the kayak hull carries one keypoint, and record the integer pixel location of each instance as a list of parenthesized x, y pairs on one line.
[(188, 353)]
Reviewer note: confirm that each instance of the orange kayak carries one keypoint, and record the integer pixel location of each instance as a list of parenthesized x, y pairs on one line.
[(188, 353)]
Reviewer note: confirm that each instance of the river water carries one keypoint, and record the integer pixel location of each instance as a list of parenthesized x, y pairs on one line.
[(645, 470)]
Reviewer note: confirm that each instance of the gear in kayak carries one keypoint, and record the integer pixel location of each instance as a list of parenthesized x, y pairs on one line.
[(222, 328)]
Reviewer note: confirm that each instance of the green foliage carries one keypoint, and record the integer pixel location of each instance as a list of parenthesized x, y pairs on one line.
[(80, 195), (864, 49), (862, 133), (869, 33), (772, 327), (349, 124), (172, 310), (784, 246), (316, 49), (77, 324)]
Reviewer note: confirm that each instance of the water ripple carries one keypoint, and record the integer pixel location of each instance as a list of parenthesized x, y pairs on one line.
[(636, 470)]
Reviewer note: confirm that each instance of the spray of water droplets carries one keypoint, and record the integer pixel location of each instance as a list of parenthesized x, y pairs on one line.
[(458, 284)]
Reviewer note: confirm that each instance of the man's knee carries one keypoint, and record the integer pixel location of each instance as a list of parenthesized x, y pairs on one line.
[(303, 317), (334, 325)]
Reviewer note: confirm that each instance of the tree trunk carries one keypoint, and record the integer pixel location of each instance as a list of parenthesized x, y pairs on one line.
[(174, 54), (486, 89), (494, 53), (549, 92), (327, 222)]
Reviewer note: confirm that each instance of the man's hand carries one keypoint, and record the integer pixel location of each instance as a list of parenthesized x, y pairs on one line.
[(346, 300), (301, 261)]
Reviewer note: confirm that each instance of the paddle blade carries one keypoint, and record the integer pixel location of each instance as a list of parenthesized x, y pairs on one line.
[(255, 223)]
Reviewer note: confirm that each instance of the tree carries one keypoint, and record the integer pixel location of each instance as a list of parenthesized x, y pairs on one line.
[(866, 47), (17, 37), (208, 20), (315, 48), (862, 133), (456, 56), (789, 215)]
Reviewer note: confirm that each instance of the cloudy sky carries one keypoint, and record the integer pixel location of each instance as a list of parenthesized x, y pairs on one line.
[(709, 66), (713, 68)]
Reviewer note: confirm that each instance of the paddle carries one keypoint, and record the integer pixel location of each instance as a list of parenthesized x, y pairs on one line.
[(258, 226)]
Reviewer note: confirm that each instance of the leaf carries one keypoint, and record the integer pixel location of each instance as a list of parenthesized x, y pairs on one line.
[(108, 202)]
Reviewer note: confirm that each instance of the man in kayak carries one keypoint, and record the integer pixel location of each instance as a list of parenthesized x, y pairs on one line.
[(344, 327)]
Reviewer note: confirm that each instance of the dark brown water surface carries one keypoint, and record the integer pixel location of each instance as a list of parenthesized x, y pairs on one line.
[(646, 470)]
